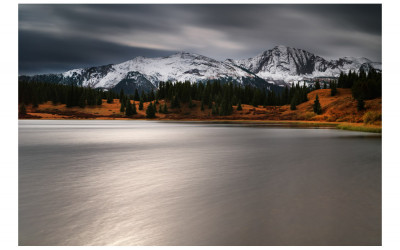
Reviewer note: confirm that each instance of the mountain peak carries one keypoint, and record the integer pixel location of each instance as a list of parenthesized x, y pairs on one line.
[(183, 54), (281, 47), (288, 64)]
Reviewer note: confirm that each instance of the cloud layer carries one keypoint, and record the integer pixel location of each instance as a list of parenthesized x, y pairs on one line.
[(56, 38)]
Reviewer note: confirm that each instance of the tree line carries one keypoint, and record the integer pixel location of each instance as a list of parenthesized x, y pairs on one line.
[(220, 97), (364, 86), (217, 96), (36, 93)]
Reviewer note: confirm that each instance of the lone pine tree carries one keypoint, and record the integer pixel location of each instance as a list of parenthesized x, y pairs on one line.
[(317, 106)]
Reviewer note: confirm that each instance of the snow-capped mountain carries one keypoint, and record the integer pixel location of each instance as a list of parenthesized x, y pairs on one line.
[(275, 66), (146, 73), (285, 63)]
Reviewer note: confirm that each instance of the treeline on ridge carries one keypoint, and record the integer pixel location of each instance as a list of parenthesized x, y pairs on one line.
[(363, 86), (215, 95)]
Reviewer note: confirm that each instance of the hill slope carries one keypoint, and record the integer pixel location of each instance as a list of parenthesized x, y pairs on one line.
[(339, 108)]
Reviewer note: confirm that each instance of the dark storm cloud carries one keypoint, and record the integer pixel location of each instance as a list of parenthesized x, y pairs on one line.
[(55, 38), (45, 53)]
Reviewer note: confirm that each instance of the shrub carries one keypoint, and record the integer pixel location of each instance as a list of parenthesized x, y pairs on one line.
[(371, 117), (305, 116)]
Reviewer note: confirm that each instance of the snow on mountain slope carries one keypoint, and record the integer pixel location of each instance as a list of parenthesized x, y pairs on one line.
[(288, 64), (177, 67), (278, 66)]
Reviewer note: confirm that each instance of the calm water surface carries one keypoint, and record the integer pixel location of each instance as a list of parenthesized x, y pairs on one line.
[(154, 183)]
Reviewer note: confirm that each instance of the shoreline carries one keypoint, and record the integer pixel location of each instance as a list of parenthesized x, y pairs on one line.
[(361, 127)]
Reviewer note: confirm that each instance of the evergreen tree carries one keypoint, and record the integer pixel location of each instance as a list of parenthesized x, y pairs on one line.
[(362, 75), (121, 97), (143, 96), (333, 88), (214, 110), (226, 107), (136, 97), (134, 112), (293, 104), (210, 102), (128, 110), (35, 102), (286, 95), (160, 110), (151, 96), (317, 85), (191, 104), (239, 107), (141, 104), (82, 101), (317, 106), (325, 87), (202, 106), (22, 109), (165, 108), (341, 80), (99, 100), (122, 108), (175, 102), (110, 96), (150, 113), (368, 88), (360, 104), (254, 100), (55, 98), (91, 98)]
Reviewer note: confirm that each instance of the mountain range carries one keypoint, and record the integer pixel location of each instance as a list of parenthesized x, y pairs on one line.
[(270, 69)]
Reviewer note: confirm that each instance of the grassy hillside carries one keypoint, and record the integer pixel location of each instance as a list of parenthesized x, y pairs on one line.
[(341, 108)]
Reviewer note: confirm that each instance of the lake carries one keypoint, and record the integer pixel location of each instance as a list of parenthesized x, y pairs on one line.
[(92, 182)]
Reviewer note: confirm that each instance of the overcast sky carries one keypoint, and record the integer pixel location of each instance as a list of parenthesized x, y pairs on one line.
[(56, 38)]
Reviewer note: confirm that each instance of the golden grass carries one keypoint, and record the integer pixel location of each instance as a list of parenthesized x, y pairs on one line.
[(339, 110), (360, 127)]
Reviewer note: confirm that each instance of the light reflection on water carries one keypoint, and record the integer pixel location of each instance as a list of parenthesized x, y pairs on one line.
[(152, 183)]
